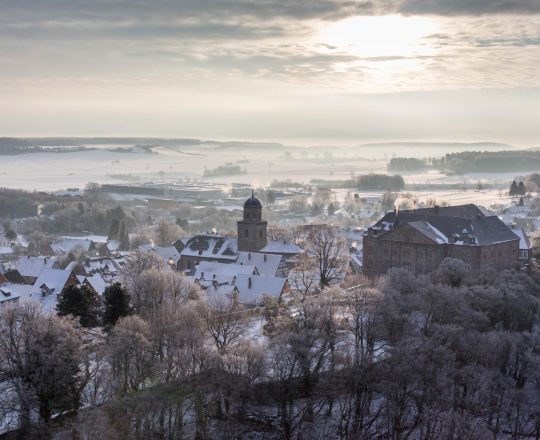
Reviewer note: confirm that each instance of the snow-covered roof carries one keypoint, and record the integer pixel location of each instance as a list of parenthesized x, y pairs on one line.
[(524, 243), (95, 281), (95, 238), (54, 279), (266, 264), (207, 269), (66, 245), (164, 252), (21, 291), (446, 226), (10, 292), (281, 247), (211, 246), (101, 265), (6, 250), (32, 266), (252, 288)]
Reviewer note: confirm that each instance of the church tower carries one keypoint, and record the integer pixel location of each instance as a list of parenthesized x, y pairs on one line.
[(252, 229)]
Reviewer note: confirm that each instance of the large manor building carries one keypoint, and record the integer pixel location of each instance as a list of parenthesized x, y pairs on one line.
[(418, 240)]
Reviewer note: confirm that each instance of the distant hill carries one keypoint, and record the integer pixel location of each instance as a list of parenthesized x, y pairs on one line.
[(473, 146), (12, 146)]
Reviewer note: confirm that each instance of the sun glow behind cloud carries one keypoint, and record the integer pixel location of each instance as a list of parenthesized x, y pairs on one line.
[(272, 68), (381, 36)]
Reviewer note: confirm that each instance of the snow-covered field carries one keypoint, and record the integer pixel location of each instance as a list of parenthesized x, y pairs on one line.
[(54, 171)]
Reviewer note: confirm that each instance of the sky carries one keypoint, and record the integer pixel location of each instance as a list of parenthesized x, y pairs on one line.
[(296, 71)]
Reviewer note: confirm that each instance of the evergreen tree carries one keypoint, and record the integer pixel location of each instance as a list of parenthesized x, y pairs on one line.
[(513, 189), (183, 223), (81, 302), (521, 189), (11, 235), (116, 300), (123, 236), (114, 229), (331, 209)]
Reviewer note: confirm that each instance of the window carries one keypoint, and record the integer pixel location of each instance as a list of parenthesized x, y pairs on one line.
[(246, 233)]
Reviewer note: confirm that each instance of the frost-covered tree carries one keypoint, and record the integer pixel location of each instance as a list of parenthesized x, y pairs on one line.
[(42, 356)]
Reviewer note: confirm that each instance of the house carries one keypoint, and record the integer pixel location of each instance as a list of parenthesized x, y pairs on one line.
[(4, 241), (30, 267), (50, 284), (9, 294), (266, 264), (208, 270), (7, 252), (95, 282), (284, 247), (418, 240), (73, 244), (207, 248), (250, 289), (525, 245), (169, 254), (13, 276), (106, 267)]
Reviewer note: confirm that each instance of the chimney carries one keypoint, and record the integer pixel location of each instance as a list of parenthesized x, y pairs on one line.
[(264, 257), (249, 282), (249, 255), (202, 275), (396, 218)]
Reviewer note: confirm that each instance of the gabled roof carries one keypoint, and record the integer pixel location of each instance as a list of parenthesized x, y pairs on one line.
[(32, 266), (9, 291), (266, 264), (165, 253), (429, 231), (479, 230), (469, 210), (101, 264), (524, 242), (281, 247), (53, 279), (95, 281), (66, 245), (252, 288), (13, 276), (207, 269), (211, 246), (6, 250)]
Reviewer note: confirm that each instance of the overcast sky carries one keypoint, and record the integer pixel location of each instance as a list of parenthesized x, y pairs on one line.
[(340, 71)]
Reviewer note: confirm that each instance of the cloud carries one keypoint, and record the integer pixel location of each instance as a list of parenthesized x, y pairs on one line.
[(468, 7)]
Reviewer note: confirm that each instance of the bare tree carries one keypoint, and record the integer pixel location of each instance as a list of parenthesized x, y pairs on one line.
[(41, 363), (225, 321), (131, 355), (178, 336), (154, 287), (167, 233), (138, 262), (329, 251), (304, 277)]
